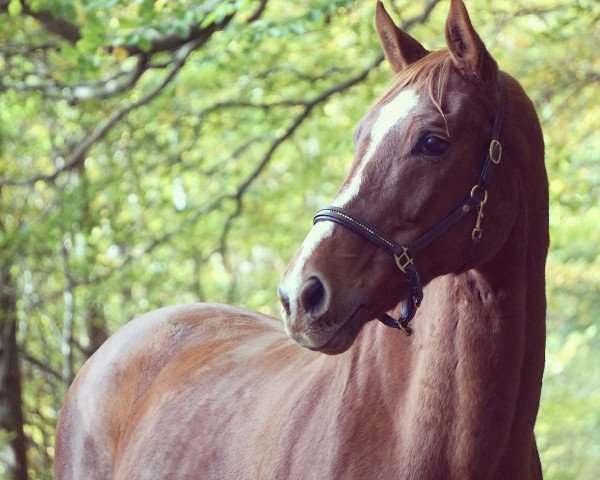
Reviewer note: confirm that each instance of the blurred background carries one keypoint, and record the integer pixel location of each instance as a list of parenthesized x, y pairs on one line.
[(168, 151)]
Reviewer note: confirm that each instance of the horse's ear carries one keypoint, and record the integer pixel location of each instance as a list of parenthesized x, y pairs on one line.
[(468, 51), (400, 48)]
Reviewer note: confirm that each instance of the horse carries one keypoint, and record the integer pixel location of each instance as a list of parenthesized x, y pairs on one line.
[(440, 230)]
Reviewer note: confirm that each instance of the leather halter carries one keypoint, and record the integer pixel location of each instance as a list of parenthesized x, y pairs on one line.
[(404, 255)]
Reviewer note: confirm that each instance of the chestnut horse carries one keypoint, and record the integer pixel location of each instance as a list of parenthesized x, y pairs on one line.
[(215, 392)]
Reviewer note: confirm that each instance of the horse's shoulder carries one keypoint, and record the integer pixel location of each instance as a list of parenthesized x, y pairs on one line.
[(134, 355), (108, 387)]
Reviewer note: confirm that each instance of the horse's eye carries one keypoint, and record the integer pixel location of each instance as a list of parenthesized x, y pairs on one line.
[(434, 145)]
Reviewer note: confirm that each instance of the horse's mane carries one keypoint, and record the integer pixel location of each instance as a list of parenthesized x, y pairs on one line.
[(430, 73)]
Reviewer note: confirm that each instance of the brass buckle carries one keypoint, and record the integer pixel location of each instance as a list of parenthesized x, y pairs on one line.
[(403, 260), (495, 151)]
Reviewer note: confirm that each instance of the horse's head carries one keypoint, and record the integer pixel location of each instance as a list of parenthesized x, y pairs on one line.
[(419, 152)]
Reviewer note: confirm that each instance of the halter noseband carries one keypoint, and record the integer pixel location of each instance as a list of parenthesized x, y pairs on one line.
[(403, 255)]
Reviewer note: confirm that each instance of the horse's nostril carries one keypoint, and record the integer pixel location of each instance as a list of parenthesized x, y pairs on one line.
[(285, 300), (312, 295)]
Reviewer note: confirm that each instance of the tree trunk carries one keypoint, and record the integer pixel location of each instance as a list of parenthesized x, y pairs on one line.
[(11, 416)]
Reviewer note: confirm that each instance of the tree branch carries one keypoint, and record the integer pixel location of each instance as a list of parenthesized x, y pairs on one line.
[(71, 32), (107, 87), (42, 366), (172, 42), (55, 25), (79, 153), (300, 74), (258, 12), (422, 17)]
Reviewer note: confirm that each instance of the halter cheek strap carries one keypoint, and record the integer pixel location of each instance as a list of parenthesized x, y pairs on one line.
[(404, 255)]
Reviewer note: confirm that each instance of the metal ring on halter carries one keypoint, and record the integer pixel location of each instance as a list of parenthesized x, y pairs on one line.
[(495, 151), (478, 188)]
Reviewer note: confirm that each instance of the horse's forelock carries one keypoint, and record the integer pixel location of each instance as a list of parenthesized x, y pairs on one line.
[(429, 74)]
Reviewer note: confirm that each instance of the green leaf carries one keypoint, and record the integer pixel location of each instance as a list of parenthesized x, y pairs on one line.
[(182, 30), (145, 41), (15, 8)]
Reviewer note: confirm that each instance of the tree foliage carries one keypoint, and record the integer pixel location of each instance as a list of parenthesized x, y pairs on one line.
[(166, 151)]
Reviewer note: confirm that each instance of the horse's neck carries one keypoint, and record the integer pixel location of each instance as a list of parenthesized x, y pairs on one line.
[(466, 385)]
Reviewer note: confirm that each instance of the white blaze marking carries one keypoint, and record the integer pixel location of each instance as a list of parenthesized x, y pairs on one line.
[(294, 283), (389, 115)]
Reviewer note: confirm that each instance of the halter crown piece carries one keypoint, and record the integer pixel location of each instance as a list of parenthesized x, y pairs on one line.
[(404, 255)]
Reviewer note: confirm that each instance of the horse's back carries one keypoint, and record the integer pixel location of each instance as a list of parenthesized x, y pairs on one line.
[(141, 365)]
